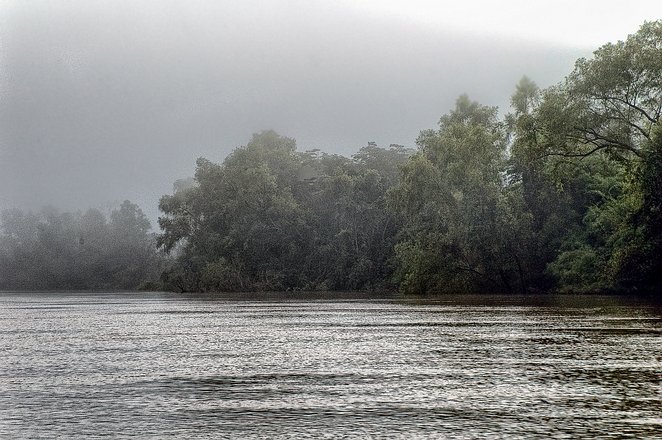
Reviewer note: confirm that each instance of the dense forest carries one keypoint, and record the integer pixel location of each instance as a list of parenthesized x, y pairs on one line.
[(564, 193)]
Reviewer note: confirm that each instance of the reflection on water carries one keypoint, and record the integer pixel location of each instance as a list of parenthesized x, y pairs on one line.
[(152, 365)]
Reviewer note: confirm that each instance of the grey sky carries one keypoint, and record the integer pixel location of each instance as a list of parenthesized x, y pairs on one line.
[(105, 101)]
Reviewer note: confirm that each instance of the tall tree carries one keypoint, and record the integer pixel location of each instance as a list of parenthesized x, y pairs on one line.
[(451, 195)]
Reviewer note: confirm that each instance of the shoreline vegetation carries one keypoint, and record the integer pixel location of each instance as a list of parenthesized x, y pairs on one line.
[(563, 194)]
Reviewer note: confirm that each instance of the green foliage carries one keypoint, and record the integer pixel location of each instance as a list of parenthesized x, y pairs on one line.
[(609, 103), (455, 200), (594, 137), (574, 206), (271, 218)]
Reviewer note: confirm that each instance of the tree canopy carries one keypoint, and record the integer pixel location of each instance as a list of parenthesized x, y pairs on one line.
[(271, 218)]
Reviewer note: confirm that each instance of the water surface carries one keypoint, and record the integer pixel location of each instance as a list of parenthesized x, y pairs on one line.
[(81, 365)]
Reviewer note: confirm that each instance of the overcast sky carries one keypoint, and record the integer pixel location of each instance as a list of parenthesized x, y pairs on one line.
[(106, 101)]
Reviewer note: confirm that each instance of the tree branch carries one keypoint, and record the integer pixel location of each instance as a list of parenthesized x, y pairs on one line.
[(628, 103)]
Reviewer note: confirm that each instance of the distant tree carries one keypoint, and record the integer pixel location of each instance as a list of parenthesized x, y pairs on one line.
[(53, 250)]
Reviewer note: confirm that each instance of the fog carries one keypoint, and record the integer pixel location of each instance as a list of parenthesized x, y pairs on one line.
[(102, 102)]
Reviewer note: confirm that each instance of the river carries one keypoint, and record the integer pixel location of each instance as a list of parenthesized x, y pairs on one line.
[(149, 365)]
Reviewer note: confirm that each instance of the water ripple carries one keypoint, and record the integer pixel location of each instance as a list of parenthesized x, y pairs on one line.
[(163, 366)]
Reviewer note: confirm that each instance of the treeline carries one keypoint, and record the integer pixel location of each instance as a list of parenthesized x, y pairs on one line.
[(563, 193), (52, 250)]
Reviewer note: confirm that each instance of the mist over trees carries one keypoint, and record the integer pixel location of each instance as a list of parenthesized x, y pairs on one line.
[(564, 193), (61, 250)]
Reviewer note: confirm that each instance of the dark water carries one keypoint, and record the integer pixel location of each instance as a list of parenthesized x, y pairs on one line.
[(158, 366)]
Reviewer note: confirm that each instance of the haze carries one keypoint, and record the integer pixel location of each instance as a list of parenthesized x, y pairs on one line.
[(106, 101)]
